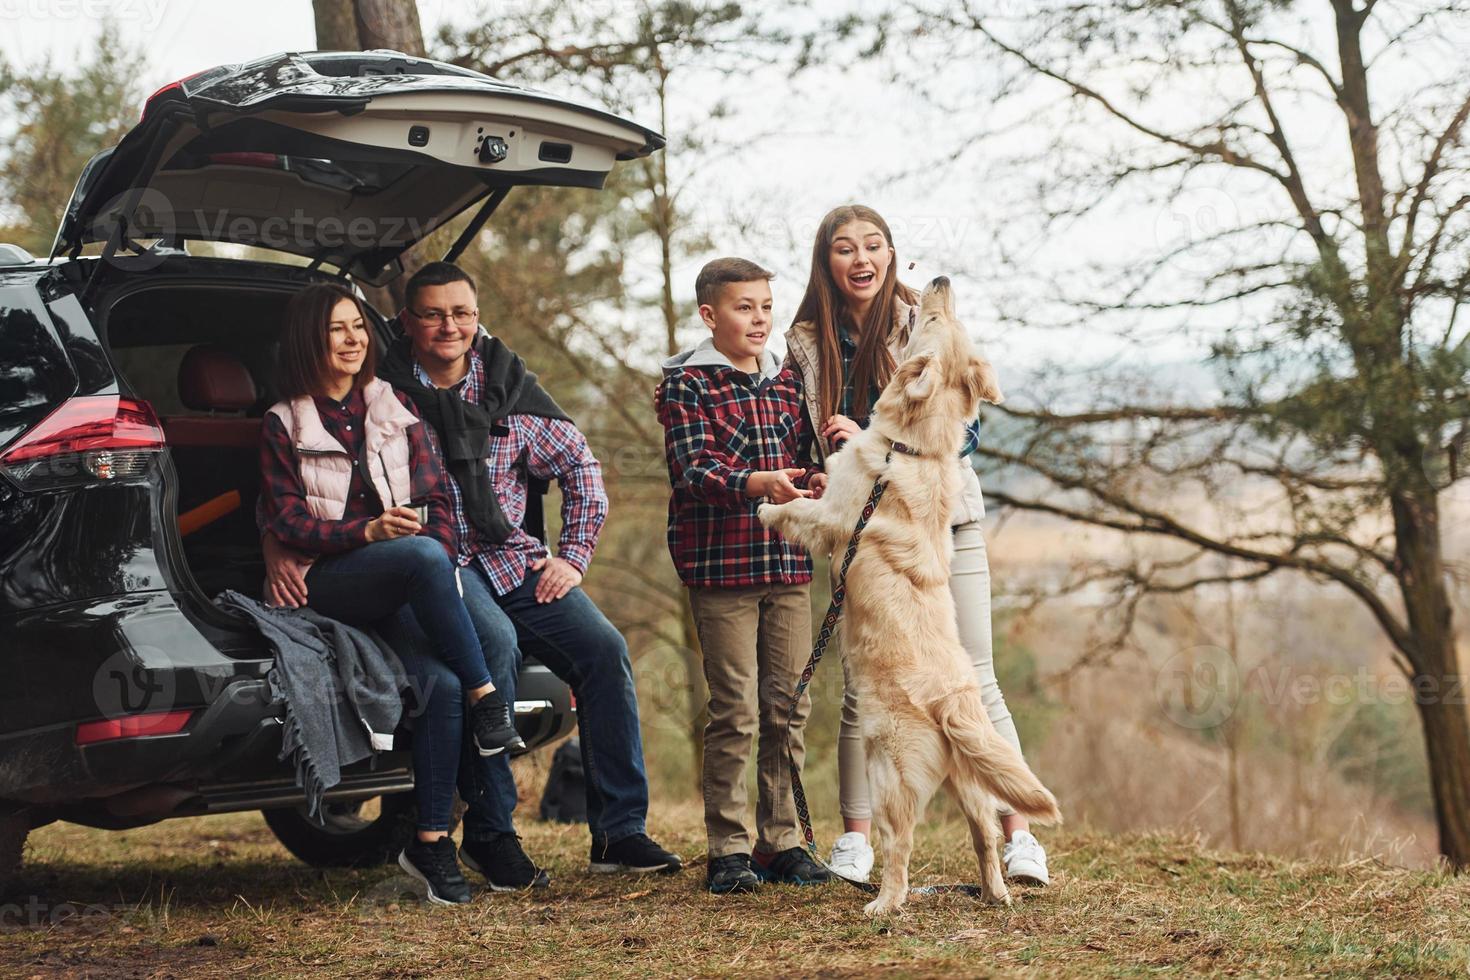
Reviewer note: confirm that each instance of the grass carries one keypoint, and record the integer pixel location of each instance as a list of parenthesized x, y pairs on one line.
[(218, 897)]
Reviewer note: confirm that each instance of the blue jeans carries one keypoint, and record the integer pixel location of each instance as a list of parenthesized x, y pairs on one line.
[(435, 705), (575, 641), (369, 584)]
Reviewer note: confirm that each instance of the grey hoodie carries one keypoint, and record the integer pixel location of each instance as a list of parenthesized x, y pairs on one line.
[(705, 355)]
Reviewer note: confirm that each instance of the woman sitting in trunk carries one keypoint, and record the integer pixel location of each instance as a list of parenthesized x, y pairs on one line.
[(352, 477)]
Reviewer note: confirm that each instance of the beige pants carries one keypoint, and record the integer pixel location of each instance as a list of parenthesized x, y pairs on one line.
[(756, 642), (970, 583)]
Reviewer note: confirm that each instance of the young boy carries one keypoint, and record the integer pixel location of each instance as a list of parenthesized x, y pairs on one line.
[(734, 433)]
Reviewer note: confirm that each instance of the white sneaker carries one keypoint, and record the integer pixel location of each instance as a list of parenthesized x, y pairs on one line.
[(851, 856), (1025, 859)]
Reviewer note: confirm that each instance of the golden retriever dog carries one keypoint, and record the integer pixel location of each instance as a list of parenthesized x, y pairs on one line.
[(923, 721)]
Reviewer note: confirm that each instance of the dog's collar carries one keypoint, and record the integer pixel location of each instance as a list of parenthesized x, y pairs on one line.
[(906, 450)]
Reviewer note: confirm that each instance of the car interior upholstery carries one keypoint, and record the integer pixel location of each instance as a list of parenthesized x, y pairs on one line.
[(203, 357)]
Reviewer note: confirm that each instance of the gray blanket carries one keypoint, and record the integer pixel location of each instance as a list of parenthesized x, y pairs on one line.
[(340, 690)]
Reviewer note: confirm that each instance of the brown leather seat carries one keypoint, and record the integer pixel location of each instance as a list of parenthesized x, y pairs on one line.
[(214, 380)]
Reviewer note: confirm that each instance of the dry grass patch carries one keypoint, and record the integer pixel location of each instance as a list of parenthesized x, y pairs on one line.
[(217, 897)]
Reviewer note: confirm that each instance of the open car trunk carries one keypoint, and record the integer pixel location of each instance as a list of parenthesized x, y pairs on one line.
[(157, 334), (344, 159)]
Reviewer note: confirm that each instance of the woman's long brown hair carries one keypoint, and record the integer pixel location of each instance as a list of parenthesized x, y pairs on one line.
[(305, 347), (823, 305)]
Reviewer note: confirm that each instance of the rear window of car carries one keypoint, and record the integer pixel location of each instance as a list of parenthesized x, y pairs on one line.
[(35, 374)]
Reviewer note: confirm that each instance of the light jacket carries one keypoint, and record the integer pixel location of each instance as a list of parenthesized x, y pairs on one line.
[(803, 356), (326, 465)]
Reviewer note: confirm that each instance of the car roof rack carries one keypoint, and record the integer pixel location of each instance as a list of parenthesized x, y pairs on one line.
[(15, 255)]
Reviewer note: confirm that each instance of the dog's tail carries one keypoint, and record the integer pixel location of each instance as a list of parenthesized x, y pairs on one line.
[(995, 762)]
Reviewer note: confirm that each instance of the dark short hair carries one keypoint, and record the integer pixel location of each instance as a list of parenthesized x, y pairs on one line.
[(435, 274), (302, 367), (719, 273)]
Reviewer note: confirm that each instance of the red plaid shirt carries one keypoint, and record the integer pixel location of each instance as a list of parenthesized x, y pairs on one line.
[(551, 449), (720, 426), (283, 510)]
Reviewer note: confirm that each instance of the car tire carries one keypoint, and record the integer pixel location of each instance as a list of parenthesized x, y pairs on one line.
[(344, 838), (13, 830)]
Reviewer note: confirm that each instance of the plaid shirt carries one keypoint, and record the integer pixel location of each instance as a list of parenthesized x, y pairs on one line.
[(848, 349), (549, 449), (719, 428), (283, 511)]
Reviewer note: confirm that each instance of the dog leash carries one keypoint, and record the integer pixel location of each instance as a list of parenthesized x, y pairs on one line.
[(829, 627), (819, 649)]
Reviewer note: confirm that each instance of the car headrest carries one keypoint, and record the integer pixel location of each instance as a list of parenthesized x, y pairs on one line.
[(214, 380)]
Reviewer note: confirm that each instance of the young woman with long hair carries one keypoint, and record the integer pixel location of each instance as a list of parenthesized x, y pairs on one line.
[(852, 323)]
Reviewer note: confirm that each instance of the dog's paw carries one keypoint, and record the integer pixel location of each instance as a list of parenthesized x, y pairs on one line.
[(882, 906), (769, 514), (1001, 897)]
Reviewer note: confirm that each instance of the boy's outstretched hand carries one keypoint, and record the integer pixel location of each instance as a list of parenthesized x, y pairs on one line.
[(817, 484), (776, 485)]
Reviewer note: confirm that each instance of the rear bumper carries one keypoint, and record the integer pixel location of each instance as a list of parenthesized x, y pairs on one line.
[(46, 766), (225, 759), (544, 709), (136, 654)]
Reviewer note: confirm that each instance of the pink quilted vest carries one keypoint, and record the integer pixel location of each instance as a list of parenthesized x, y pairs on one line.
[(325, 464)]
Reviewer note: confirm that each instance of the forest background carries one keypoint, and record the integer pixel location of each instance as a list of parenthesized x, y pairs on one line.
[(1217, 249)]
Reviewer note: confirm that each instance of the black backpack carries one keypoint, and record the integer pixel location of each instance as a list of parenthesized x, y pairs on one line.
[(565, 797)]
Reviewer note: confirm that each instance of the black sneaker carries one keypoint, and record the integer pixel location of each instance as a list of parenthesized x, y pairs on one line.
[(731, 873), (494, 728), (793, 866), (637, 854), (503, 863), (435, 865)]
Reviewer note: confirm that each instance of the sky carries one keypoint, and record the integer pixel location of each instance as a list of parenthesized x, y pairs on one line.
[(800, 147), (817, 166), (180, 36)]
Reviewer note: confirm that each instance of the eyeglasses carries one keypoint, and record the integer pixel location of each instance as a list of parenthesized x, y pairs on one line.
[(461, 318)]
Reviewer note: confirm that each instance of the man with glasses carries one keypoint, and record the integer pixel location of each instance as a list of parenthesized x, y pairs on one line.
[(498, 430)]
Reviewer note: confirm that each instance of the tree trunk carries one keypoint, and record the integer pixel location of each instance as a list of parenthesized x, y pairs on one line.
[(362, 25), (661, 219), (336, 25), (1438, 683), (1232, 730), (392, 24), (1447, 738), (698, 703)]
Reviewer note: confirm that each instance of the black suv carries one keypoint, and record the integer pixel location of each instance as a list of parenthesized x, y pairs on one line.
[(132, 386)]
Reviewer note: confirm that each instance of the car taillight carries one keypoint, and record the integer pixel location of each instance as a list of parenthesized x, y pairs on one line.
[(93, 439), (133, 726), (170, 87)]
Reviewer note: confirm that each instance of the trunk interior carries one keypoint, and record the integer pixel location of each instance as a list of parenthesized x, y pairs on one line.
[(203, 356)]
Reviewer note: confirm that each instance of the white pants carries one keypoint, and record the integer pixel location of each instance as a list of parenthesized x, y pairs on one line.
[(970, 583)]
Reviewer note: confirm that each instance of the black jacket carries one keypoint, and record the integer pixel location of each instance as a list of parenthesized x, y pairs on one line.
[(464, 429)]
